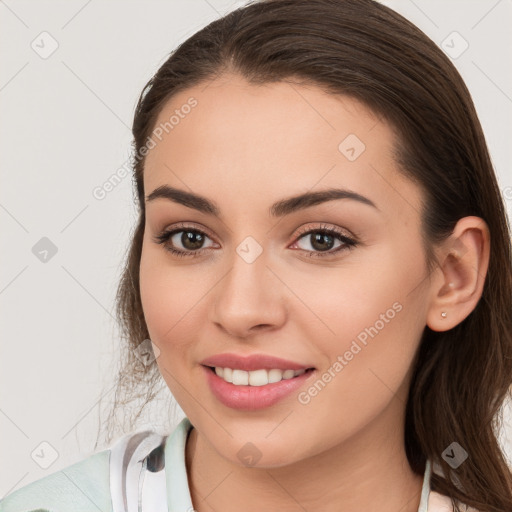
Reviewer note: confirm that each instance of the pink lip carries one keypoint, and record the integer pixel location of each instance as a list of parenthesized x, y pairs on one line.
[(250, 398), (253, 362)]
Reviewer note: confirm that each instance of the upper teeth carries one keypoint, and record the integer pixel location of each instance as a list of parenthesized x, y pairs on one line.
[(256, 377)]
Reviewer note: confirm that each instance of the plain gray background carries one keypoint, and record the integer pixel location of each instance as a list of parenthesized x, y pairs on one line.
[(65, 129)]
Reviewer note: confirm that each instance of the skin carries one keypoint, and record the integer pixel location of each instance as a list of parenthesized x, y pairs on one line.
[(245, 147)]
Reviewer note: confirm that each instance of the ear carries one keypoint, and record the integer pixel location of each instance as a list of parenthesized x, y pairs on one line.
[(463, 261)]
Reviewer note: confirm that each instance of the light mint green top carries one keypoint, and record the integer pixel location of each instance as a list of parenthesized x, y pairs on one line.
[(91, 485)]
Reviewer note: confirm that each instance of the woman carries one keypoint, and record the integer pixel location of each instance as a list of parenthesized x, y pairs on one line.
[(322, 263)]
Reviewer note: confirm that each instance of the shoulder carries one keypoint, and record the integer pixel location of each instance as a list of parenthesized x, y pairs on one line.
[(98, 483), (440, 503), (83, 486)]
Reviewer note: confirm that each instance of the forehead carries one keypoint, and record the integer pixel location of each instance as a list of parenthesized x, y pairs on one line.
[(268, 141)]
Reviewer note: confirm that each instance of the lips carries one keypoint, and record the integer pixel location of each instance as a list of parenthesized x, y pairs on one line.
[(253, 362), (252, 398)]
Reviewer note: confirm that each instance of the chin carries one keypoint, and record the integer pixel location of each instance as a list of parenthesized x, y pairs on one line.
[(264, 455)]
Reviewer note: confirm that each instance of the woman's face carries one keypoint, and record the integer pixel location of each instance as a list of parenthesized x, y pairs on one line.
[(351, 305)]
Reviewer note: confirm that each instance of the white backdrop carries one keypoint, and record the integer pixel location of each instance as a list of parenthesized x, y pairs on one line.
[(70, 75)]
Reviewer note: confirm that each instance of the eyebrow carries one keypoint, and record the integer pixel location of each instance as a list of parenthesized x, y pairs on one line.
[(278, 209)]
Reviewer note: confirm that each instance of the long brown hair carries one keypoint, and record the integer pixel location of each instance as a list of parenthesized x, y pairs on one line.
[(363, 49)]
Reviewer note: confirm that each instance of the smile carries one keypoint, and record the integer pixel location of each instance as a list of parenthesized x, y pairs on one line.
[(256, 377), (251, 390)]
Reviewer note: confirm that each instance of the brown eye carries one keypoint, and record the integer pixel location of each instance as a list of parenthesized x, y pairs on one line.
[(191, 240), (183, 242), (322, 241)]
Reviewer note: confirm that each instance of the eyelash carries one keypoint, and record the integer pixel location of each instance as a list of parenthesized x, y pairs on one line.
[(349, 243)]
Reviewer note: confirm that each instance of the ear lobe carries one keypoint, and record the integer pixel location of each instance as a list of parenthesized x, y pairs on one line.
[(462, 271)]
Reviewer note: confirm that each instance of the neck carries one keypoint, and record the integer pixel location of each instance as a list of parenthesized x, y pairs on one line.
[(368, 471)]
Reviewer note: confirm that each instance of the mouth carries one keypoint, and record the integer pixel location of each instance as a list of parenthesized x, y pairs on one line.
[(252, 390), (261, 377)]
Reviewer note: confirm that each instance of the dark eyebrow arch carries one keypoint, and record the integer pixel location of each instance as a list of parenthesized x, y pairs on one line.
[(278, 209)]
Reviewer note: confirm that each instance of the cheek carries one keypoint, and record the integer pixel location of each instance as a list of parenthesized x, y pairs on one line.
[(371, 287), (174, 305), (171, 306), (370, 313), (366, 364)]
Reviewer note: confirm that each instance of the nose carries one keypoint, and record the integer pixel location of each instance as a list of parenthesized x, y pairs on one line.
[(249, 299)]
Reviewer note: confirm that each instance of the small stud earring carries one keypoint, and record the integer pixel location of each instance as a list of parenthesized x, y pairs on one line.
[(444, 314)]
